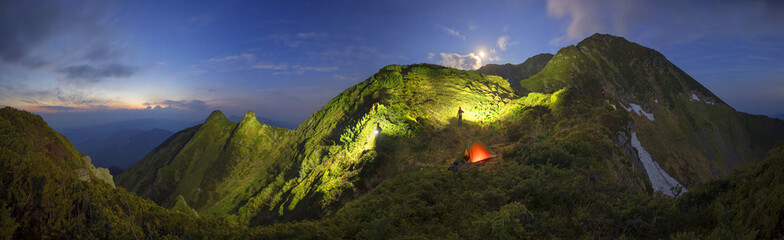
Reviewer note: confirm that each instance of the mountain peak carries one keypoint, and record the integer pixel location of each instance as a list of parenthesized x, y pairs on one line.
[(216, 115), (604, 37), (250, 117)]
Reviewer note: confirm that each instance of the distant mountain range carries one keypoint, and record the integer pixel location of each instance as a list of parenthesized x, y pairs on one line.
[(118, 145), (81, 134), (123, 148)]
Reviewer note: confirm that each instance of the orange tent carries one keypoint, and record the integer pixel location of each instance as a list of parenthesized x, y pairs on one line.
[(479, 152)]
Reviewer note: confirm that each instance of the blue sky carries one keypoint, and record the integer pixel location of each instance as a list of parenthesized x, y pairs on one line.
[(88, 62)]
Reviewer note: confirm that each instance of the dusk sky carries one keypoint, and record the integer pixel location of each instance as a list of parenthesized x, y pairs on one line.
[(89, 62)]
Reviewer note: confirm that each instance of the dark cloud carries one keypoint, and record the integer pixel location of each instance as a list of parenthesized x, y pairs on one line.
[(23, 26), (59, 108), (76, 97), (184, 104), (102, 52), (36, 33), (91, 73)]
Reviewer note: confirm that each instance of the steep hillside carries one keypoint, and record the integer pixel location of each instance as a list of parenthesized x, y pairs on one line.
[(194, 161), (518, 201), (51, 191), (656, 130), (515, 73), (691, 133), (743, 205), (258, 174), (556, 185)]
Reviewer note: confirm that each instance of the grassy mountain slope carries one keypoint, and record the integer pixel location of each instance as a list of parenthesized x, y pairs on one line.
[(743, 205), (521, 201), (48, 193), (253, 174), (564, 166), (553, 188), (262, 174), (691, 133), (515, 73)]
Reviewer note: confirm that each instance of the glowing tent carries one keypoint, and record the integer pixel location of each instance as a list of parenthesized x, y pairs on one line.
[(479, 152)]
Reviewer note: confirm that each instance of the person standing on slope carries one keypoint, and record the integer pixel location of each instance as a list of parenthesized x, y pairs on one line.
[(459, 115)]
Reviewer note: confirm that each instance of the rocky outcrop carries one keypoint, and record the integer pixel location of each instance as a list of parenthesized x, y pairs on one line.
[(89, 172)]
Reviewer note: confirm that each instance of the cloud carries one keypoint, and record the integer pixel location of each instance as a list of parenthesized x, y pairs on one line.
[(585, 19), (41, 33), (41, 99), (492, 55), (464, 62), (502, 42), (59, 108), (270, 66), (452, 32), (189, 105), (472, 26), (238, 57), (248, 61), (671, 21), (90, 73), (102, 52), (201, 20), (316, 69), (294, 40), (430, 56), (295, 69), (242, 61), (313, 35), (23, 26)]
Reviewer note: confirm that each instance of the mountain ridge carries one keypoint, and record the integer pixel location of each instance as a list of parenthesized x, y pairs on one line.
[(568, 162), (263, 175), (515, 73), (641, 80)]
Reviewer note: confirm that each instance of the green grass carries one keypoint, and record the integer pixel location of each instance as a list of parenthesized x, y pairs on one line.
[(42, 198), (559, 140), (557, 173), (692, 140)]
